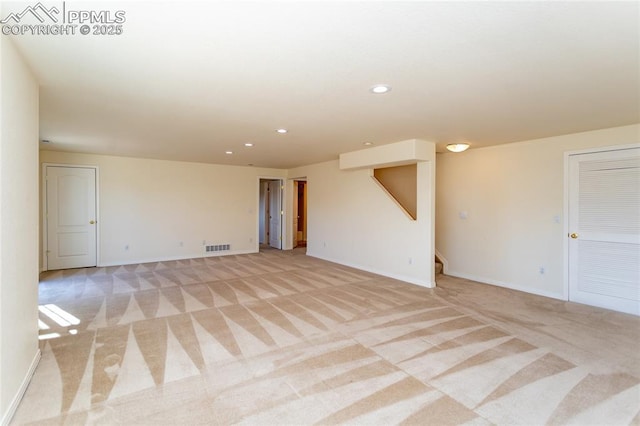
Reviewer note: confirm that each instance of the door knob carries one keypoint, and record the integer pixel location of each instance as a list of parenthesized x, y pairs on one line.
[(574, 235), (91, 222)]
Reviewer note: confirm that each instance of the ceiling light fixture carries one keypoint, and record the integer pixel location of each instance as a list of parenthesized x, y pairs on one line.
[(457, 147), (282, 131), (248, 144), (379, 89), (367, 143), (228, 152)]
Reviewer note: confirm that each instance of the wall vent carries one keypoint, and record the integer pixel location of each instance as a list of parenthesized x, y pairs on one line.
[(217, 247)]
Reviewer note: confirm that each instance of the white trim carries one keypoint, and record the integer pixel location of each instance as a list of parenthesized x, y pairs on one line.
[(412, 280), (510, 286), (288, 196), (172, 258), (565, 227), (98, 220), (256, 236), (602, 149), (565, 206), (8, 415), (43, 191), (44, 264), (445, 262)]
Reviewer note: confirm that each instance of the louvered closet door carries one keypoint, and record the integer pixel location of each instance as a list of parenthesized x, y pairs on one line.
[(604, 229)]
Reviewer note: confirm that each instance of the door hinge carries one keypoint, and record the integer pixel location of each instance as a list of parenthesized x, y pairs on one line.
[(281, 212)]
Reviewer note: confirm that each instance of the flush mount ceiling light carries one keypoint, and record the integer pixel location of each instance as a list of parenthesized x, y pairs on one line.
[(282, 131), (379, 89), (457, 147), (367, 143), (248, 144), (228, 152)]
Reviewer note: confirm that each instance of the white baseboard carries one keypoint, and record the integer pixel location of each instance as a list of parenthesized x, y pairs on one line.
[(412, 280), (172, 258), (8, 415), (484, 280)]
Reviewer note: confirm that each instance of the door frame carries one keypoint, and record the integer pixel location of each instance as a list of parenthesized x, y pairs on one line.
[(295, 206), (283, 216), (43, 205), (565, 209), (262, 211), (291, 192), (295, 214)]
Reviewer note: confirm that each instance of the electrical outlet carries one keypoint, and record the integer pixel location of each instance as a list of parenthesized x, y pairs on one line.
[(126, 247), (542, 270)]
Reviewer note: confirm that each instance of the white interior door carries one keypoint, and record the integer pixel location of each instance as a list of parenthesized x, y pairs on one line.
[(70, 217), (275, 214), (263, 209), (604, 229)]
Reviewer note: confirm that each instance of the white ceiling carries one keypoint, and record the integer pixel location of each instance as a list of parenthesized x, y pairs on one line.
[(188, 81)]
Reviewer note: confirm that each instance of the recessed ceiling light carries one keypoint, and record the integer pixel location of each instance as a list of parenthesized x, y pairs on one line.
[(367, 143), (457, 147), (379, 89), (248, 144), (282, 131), (228, 152)]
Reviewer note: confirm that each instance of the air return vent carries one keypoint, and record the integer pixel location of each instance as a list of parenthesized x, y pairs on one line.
[(217, 247)]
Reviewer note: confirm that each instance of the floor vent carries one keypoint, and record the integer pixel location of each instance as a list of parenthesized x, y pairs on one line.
[(217, 247)]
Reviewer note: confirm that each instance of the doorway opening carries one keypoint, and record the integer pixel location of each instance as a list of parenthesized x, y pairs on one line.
[(299, 213), (270, 213)]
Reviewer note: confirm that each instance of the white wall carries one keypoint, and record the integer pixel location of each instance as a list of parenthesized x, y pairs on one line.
[(352, 221), (513, 196), (19, 351), (153, 205)]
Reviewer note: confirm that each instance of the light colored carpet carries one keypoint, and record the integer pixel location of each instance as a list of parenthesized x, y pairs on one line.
[(283, 338)]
